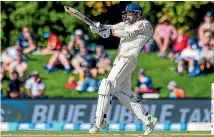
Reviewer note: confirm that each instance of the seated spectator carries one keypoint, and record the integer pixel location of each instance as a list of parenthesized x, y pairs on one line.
[(207, 59), (15, 89), (77, 42), (175, 92), (71, 84), (103, 60), (60, 58), (179, 45), (144, 83), (54, 44), (81, 60), (207, 25), (35, 86), (149, 46), (164, 34), (190, 56), (89, 84), (205, 40), (26, 40), (19, 66), (9, 55)]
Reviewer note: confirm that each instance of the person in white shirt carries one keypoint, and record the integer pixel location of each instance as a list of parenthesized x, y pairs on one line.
[(35, 86), (9, 55), (133, 32), (190, 56), (207, 25)]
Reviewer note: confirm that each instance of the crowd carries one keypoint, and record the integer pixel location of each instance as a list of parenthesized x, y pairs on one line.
[(78, 58), (195, 54)]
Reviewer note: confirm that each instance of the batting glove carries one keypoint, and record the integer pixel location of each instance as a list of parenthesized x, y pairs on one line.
[(95, 28), (100, 30)]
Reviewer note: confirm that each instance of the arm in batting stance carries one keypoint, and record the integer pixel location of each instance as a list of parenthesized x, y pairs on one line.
[(134, 32)]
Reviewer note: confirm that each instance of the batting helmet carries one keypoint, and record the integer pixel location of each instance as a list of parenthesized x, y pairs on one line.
[(133, 8)]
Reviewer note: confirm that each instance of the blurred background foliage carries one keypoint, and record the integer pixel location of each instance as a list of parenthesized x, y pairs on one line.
[(47, 16)]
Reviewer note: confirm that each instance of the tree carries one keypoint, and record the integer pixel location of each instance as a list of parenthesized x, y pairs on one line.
[(46, 16), (40, 17)]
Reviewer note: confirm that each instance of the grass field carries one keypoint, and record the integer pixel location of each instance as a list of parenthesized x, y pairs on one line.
[(158, 69), (105, 134)]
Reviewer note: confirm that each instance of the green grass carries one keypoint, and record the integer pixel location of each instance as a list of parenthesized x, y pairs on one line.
[(105, 134), (157, 68)]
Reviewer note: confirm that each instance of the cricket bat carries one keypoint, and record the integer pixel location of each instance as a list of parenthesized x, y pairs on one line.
[(79, 15)]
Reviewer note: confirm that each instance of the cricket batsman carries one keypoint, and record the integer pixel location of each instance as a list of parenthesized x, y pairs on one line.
[(133, 32)]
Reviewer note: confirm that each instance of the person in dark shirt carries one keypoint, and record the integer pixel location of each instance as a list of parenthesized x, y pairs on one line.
[(26, 40), (144, 83), (14, 89)]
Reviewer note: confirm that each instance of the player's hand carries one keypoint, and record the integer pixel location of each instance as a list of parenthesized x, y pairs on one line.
[(105, 33), (96, 28), (100, 30)]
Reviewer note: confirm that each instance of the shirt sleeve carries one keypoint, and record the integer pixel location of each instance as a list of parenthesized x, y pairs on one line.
[(42, 86), (28, 83), (10, 85), (138, 83), (18, 41), (118, 26), (141, 28)]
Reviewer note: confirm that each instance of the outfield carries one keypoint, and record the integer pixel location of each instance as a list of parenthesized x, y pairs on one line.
[(105, 134), (158, 69)]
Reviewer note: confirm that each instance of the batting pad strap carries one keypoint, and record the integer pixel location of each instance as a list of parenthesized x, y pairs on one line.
[(105, 87)]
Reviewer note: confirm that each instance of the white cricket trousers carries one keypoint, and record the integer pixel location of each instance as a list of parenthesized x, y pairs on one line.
[(120, 74)]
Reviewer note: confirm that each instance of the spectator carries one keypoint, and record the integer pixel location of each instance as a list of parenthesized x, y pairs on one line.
[(54, 44), (19, 66), (144, 83), (103, 60), (9, 55), (15, 89), (190, 56), (89, 83), (26, 40), (165, 33), (205, 40), (179, 45), (81, 60), (175, 92), (77, 42), (59, 58), (149, 46), (71, 84), (35, 86), (207, 62), (207, 25)]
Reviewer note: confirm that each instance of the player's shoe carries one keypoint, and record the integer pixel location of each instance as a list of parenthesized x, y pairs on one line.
[(150, 127), (95, 129)]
